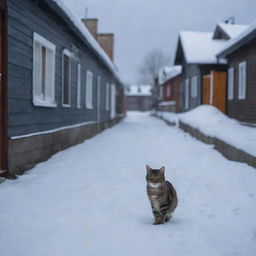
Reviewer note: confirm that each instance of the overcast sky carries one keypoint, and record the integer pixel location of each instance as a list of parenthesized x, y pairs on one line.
[(144, 25)]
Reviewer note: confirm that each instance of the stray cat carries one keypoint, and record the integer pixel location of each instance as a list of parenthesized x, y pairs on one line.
[(161, 194)]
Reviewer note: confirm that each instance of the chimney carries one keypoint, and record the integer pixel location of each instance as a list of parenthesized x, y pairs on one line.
[(92, 26), (106, 41)]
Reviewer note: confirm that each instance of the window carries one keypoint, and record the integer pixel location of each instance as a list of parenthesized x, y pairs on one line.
[(89, 90), (187, 93), (231, 83), (168, 91), (113, 101), (242, 81), (194, 87), (98, 98), (78, 85), (161, 92), (107, 105), (66, 78), (43, 72)]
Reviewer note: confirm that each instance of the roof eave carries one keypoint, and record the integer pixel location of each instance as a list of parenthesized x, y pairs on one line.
[(65, 17), (224, 53)]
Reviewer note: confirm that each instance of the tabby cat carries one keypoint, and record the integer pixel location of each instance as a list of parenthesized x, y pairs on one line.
[(161, 194)]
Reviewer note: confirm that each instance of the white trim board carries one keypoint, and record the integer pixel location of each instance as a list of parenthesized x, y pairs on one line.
[(53, 130)]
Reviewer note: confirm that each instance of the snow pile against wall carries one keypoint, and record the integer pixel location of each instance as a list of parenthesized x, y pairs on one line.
[(212, 122), (87, 35), (167, 116)]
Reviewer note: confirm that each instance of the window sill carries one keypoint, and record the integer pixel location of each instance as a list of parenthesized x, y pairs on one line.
[(46, 104), (89, 107), (66, 106)]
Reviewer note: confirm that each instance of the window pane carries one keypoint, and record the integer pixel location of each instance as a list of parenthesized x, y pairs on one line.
[(66, 80), (231, 83), (43, 71), (37, 71), (78, 85)]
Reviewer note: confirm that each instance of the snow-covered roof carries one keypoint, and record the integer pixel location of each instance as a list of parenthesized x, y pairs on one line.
[(87, 36), (232, 30), (169, 72), (199, 47), (139, 90), (237, 41)]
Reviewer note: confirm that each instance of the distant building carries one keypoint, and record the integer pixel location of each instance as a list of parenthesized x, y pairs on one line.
[(204, 76), (240, 53), (139, 97), (169, 89)]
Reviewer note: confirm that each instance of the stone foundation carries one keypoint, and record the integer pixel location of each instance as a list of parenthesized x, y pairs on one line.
[(229, 151), (24, 153)]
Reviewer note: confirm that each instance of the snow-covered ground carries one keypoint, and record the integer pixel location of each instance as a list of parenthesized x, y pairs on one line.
[(90, 200)]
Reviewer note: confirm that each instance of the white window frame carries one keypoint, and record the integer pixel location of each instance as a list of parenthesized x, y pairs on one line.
[(231, 73), (48, 98), (194, 87), (98, 98), (113, 102), (68, 54), (89, 90), (187, 94), (78, 85), (107, 99), (242, 81)]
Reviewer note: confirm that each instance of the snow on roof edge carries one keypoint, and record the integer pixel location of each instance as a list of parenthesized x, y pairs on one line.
[(88, 37), (232, 30), (231, 43)]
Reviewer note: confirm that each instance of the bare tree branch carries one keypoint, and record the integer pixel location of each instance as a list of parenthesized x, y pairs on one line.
[(150, 66)]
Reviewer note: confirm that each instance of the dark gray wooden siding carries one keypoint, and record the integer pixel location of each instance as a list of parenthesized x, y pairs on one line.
[(25, 18), (188, 71), (244, 110)]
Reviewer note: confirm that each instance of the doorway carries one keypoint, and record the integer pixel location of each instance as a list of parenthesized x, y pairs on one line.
[(214, 90)]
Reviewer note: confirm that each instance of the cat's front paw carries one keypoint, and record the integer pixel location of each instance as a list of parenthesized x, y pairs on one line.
[(158, 222)]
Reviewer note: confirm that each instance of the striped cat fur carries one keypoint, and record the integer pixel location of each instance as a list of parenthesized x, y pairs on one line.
[(162, 195)]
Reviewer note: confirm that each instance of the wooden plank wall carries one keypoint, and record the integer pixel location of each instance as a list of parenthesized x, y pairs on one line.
[(26, 17)]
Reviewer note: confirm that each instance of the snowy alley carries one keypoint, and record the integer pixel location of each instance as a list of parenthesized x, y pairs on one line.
[(91, 200)]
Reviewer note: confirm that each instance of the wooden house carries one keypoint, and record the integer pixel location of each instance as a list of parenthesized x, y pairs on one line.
[(139, 97), (170, 82), (240, 53), (58, 86), (203, 75)]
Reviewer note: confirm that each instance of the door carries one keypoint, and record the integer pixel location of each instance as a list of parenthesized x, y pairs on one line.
[(113, 102), (206, 89), (214, 90), (2, 86), (219, 90)]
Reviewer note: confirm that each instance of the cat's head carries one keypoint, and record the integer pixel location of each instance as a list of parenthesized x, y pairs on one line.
[(155, 175)]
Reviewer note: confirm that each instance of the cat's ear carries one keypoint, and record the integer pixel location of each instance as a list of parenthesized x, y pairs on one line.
[(148, 168), (162, 170)]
